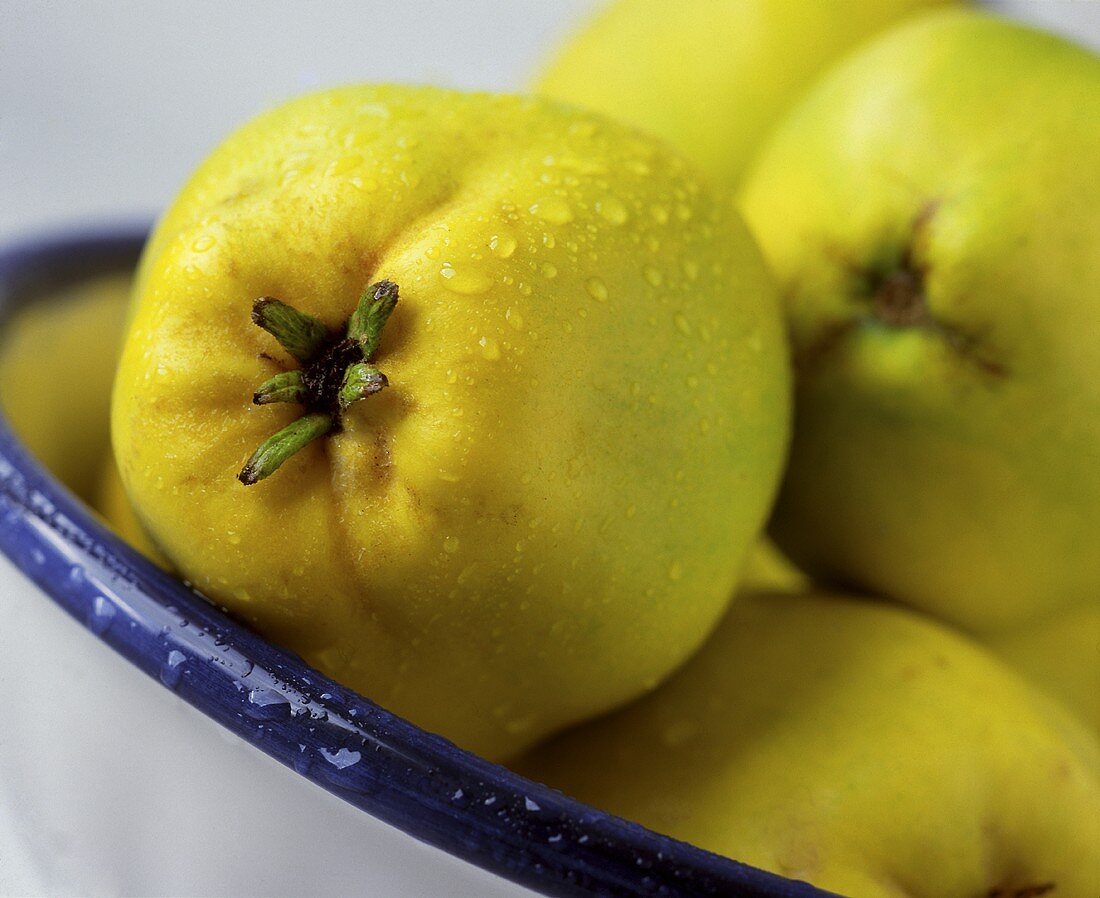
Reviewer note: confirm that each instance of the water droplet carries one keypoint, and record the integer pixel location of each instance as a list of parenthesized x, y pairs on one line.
[(597, 289), (234, 538), (612, 210), (172, 671), (450, 544), (553, 209), (303, 761), (502, 245), (489, 348), (531, 804), (344, 164), (514, 318), (653, 276), (519, 725), (262, 698), (467, 282), (341, 758), (691, 269), (679, 733), (683, 211), (659, 213), (102, 616), (682, 324), (549, 271), (675, 571), (203, 243)]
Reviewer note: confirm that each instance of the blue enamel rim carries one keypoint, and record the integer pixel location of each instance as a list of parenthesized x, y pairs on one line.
[(377, 761)]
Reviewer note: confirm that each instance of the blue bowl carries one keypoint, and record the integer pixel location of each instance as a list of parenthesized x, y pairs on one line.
[(343, 742)]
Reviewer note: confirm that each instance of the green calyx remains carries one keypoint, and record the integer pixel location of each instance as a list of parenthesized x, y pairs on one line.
[(335, 372)]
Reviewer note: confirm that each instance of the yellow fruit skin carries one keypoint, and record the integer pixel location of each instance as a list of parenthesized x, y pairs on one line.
[(951, 463), (768, 570), (1062, 655), (854, 745), (114, 505), (712, 77), (57, 362), (548, 508)]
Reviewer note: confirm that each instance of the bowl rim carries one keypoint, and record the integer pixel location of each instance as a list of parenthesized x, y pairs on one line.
[(379, 762)]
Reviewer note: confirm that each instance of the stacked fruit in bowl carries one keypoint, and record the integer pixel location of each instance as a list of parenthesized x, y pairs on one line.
[(482, 404)]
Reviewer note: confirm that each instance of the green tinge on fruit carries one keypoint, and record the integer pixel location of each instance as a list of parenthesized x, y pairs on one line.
[(936, 232)]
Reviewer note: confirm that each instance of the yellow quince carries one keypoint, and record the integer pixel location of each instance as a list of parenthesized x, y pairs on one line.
[(521, 401), (855, 745)]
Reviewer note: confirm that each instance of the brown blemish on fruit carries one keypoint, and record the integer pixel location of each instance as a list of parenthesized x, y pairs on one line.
[(897, 290)]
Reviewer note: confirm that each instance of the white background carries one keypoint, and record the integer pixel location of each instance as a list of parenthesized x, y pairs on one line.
[(108, 783), (106, 107)]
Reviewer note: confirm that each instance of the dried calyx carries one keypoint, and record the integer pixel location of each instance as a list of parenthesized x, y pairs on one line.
[(336, 371)]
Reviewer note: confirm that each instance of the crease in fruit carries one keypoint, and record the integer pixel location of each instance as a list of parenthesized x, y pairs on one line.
[(889, 292)]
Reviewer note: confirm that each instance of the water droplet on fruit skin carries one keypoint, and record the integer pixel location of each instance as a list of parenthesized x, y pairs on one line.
[(682, 324), (489, 348), (466, 282), (344, 164), (553, 209), (450, 544), (502, 245), (612, 210), (597, 289), (653, 276)]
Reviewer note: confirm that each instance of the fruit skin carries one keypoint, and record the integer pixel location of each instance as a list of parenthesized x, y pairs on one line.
[(1062, 655), (768, 570), (855, 745), (945, 449), (114, 507), (62, 418), (548, 508), (712, 77)]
